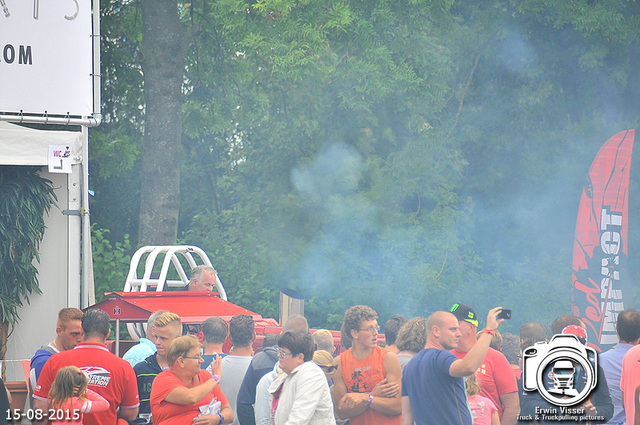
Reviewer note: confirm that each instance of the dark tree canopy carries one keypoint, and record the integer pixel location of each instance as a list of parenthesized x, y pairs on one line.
[(406, 155)]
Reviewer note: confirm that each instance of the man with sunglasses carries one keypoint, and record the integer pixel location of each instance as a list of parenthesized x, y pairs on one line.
[(367, 383)]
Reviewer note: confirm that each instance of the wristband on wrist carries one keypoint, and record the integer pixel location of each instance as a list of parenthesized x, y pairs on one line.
[(216, 378), (370, 400), (221, 419), (488, 331)]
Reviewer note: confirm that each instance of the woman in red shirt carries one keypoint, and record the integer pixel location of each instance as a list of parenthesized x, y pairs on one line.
[(185, 394)]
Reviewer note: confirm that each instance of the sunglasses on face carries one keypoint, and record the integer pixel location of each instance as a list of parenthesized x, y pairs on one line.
[(329, 369), (282, 353)]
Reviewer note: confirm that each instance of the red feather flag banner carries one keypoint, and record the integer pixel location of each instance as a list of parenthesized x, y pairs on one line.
[(600, 275)]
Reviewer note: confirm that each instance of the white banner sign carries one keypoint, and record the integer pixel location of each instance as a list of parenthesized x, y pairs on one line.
[(46, 57)]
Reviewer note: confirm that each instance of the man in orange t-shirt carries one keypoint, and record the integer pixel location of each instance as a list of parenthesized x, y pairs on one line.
[(368, 380)]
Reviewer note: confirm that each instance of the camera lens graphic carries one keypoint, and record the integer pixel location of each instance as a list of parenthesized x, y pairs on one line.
[(553, 395)]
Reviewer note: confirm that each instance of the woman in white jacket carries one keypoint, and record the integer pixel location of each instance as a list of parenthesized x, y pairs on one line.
[(300, 395)]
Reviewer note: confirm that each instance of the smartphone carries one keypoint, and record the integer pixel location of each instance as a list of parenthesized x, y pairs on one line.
[(504, 314)]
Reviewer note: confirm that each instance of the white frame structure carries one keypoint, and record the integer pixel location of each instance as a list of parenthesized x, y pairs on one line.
[(168, 256)]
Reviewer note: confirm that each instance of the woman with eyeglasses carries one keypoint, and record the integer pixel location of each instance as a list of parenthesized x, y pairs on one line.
[(301, 394), (185, 394)]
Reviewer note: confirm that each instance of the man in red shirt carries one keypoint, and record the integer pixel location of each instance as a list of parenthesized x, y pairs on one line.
[(496, 377), (108, 375)]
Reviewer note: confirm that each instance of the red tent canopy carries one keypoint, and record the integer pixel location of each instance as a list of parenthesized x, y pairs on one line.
[(192, 306)]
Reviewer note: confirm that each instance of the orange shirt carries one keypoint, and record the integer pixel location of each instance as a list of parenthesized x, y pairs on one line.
[(175, 414), (360, 376)]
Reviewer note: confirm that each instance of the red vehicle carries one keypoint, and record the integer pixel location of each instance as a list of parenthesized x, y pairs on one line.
[(164, 269)]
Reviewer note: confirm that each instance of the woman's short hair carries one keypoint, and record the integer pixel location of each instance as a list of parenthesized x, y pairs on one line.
[(413, 335), (298, 342), (180, 347)]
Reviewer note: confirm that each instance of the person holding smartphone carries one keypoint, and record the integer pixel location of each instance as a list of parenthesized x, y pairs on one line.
[(495, 375)]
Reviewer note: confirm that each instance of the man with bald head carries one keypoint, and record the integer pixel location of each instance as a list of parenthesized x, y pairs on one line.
[(432, 383)]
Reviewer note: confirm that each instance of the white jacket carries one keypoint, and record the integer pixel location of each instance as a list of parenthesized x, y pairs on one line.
[(305, 397)]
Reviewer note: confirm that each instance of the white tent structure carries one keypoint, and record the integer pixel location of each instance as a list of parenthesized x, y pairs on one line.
[(59, 271)]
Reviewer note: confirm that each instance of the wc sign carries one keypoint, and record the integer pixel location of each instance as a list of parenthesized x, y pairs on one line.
[(60, 159)]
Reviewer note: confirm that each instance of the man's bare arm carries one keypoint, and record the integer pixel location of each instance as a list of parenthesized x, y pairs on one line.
[(354, 404), (43, 406), (510, 408), (391, 406), (636, 418), (473, 359), (347, 404), (129, 414), (407, 413)]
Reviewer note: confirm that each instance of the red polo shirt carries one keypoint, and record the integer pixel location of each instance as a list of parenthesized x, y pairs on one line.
[(109, 376)]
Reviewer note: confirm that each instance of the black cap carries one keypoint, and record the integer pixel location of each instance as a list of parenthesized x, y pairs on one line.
[(466, 313)]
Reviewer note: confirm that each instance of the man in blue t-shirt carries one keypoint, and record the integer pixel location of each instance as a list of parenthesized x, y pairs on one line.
[(432, 383)]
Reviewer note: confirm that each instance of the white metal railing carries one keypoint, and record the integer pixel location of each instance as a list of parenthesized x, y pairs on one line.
[(153, 280)]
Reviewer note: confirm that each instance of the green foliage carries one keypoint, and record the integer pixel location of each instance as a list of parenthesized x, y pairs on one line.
[(405, 155), (26, 198), (110, 262), (114, 146)]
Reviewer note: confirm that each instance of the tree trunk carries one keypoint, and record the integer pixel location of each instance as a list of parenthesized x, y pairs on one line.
[(163, 49)]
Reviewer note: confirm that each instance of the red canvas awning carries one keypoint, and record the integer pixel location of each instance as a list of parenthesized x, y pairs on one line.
[(191, 306)]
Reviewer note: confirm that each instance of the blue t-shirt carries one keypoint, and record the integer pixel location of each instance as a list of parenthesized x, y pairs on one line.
[(436, 397), (208, 358), (611, 362)]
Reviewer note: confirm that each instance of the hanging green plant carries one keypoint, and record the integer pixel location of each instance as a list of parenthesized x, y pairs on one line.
[(25, 197)]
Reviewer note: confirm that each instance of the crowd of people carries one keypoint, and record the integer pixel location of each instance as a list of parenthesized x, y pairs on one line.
[(444, 369)]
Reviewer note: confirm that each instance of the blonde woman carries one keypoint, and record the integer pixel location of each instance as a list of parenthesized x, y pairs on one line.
[(483, 409)]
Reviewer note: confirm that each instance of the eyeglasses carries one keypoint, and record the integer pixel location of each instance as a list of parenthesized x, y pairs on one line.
[(329, 369), (371, 329), (282, 353), (194, 358)]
